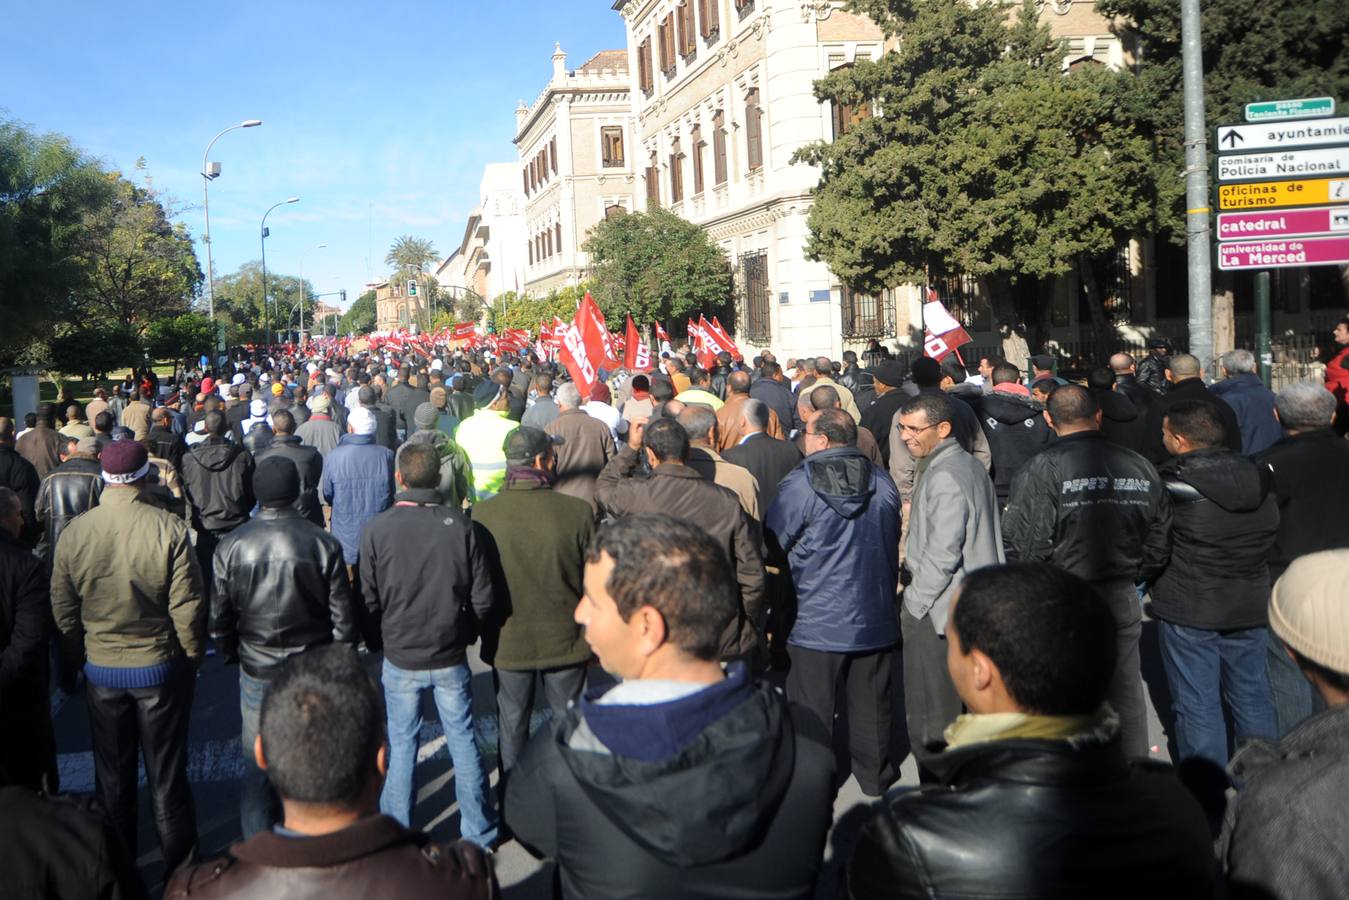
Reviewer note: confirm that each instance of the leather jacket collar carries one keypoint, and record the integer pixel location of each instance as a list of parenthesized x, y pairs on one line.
[(420, 496), (274, 513), (368, 836)]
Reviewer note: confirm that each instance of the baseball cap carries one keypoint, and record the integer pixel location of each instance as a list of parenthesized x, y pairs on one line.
[(527, 442)]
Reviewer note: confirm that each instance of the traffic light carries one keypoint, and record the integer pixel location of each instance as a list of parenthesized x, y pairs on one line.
[(412, 287), (344, 295)]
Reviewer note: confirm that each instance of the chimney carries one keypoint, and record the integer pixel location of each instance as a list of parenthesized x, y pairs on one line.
[(521, 113), (559, 64)]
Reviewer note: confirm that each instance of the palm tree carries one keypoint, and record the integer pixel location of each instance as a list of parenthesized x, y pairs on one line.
[(411, 255)]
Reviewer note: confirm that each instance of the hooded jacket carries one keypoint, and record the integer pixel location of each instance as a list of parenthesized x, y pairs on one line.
[(1016, 430), (1122, 422), (456, 471), (837, 517), (1224, 518), (217, 478), (712, 795)]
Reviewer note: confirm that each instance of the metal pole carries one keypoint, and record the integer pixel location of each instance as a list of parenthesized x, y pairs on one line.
[(210, 270), (1262, 349), (1197, 226), (266, 323)]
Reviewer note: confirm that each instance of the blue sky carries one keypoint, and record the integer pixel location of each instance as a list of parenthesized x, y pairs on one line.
[(379, 116)]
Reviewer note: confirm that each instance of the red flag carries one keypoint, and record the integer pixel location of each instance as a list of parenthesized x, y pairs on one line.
[(573, 355), (661, 335), (462, 331), (707, 346), (555, 336), (599, 345), (942, 333), (636, 355), (724, 340)]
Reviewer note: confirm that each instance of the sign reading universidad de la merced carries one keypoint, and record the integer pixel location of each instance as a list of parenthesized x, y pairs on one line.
[(1278, 179)]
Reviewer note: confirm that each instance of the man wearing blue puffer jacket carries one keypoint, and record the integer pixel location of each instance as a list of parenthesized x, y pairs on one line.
[(358, 484), (836, 518)]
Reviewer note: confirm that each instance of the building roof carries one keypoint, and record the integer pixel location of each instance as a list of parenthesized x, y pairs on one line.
[(606, 60)]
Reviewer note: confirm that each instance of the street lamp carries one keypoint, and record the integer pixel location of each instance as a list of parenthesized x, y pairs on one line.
[(300, 336), (211, 170), (266, 320)]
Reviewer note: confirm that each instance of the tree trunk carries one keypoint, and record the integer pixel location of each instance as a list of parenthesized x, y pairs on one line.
[(1100, 324)]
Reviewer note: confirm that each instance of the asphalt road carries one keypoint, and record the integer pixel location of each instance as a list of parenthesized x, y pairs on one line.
[(216, 763)]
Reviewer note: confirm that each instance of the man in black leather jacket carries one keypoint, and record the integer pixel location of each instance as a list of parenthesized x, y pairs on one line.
[(1101, 512), (70, 489), (1037, 797), (280, 588)]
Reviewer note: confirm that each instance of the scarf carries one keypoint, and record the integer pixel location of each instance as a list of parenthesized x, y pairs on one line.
[(529, 474), (1013, 388), (976, 729)]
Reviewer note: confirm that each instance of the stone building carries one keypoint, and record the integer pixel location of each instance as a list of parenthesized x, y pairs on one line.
[(575, 166), (395, 309)]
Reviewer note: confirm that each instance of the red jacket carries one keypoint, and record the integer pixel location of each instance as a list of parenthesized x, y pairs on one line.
[(1337, 376)]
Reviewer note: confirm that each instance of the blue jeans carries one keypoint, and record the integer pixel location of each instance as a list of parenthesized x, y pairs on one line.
[(1205, 668), (259, 807), (450, 687), (1294, 697)]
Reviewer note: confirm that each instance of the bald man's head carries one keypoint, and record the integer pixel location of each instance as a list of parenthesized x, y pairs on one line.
[(738, 383), (1121, 364), (1184, 367)]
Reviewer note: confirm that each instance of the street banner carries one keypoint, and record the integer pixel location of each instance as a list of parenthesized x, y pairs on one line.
[(942, 334), (463, 331), (636, 354)]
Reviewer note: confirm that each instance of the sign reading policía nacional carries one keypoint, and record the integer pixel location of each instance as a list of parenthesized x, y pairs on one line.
[(1283, 254), (1283, 223), (1282, 135), (1283, 164)]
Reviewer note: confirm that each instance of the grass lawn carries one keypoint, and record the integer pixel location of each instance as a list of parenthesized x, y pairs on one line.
[(83, 391)]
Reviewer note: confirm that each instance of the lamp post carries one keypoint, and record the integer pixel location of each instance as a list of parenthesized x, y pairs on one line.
[(208, 171), (266, 320)]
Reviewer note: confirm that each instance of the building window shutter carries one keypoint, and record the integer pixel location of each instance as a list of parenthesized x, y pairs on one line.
[(743, 6), (524, 176), (719, 147), (530, 245), (753, 130), (652, 184), (644, 64), (676, 173), (552, 152), (557, 231), (611, 145), (667, 44), (688, 39), (698, 146), (708, 24)]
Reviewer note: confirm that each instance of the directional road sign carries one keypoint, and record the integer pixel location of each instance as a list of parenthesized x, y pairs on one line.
[(1282, 135), (1283, 164), (1280, 194), (1283, 223), (1308, 108), (1281, 254)]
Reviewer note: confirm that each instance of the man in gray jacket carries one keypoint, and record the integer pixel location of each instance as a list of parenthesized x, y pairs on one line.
[(953, 529)]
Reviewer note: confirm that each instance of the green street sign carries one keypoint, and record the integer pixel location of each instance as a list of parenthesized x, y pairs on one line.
[(1308, 108)]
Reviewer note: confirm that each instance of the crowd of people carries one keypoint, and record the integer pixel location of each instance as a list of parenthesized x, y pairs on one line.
[(725, 586)]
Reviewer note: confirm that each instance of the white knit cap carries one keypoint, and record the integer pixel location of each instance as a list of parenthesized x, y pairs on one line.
[(361, 421), (1309, 609)]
